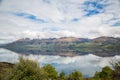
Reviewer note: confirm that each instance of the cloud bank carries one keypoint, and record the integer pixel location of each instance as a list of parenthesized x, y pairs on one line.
[(58, 18)]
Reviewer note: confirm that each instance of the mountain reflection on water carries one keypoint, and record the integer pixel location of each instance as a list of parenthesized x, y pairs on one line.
[(88, 64)]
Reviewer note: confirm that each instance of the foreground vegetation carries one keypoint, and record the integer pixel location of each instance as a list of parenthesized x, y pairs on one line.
[(30, 70)]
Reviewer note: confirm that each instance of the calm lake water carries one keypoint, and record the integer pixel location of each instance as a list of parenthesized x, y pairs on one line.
[(87, 64)]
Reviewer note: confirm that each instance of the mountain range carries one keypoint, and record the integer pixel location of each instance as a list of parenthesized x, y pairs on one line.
[(67, 46)]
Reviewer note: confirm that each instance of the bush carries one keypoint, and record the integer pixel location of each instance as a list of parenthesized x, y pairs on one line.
[(27, 70), (105, 74), (62, 76), (51, 72), (75, 75), (116, 72)]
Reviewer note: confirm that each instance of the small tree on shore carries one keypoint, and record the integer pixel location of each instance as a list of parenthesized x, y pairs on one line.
[(27, 70), (75, 75), (116, 72), (62, 76), (51, 72)]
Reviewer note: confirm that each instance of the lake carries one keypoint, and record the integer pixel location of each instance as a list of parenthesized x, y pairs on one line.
[(88, 64)]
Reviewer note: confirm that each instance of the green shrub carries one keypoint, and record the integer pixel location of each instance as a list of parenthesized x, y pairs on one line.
[(105, 74), (62, 76), (116, 72), (75, 75), (51, 72), (27, 70)]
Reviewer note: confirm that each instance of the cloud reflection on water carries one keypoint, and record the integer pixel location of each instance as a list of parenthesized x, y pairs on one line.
[(87, 64)]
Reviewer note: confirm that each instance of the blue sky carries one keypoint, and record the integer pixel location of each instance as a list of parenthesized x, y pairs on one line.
[(30, 16), (58, 18), (94, 7)]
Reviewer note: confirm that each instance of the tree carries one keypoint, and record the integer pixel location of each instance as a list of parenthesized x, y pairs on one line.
[(51, 72), (62, 76), (75, 75), (97, 76), (27, 70), (106, 73), (116, 72)]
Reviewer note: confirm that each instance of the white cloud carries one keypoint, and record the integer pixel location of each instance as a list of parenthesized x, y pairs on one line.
[(47, 34), (59, 14)]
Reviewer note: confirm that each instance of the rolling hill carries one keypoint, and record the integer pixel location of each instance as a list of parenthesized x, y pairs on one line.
[(101, 46)]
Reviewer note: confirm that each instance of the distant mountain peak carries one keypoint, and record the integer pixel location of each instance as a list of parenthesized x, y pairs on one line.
[(23, 39), (105, 39), (72, 39), (67, 39)]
